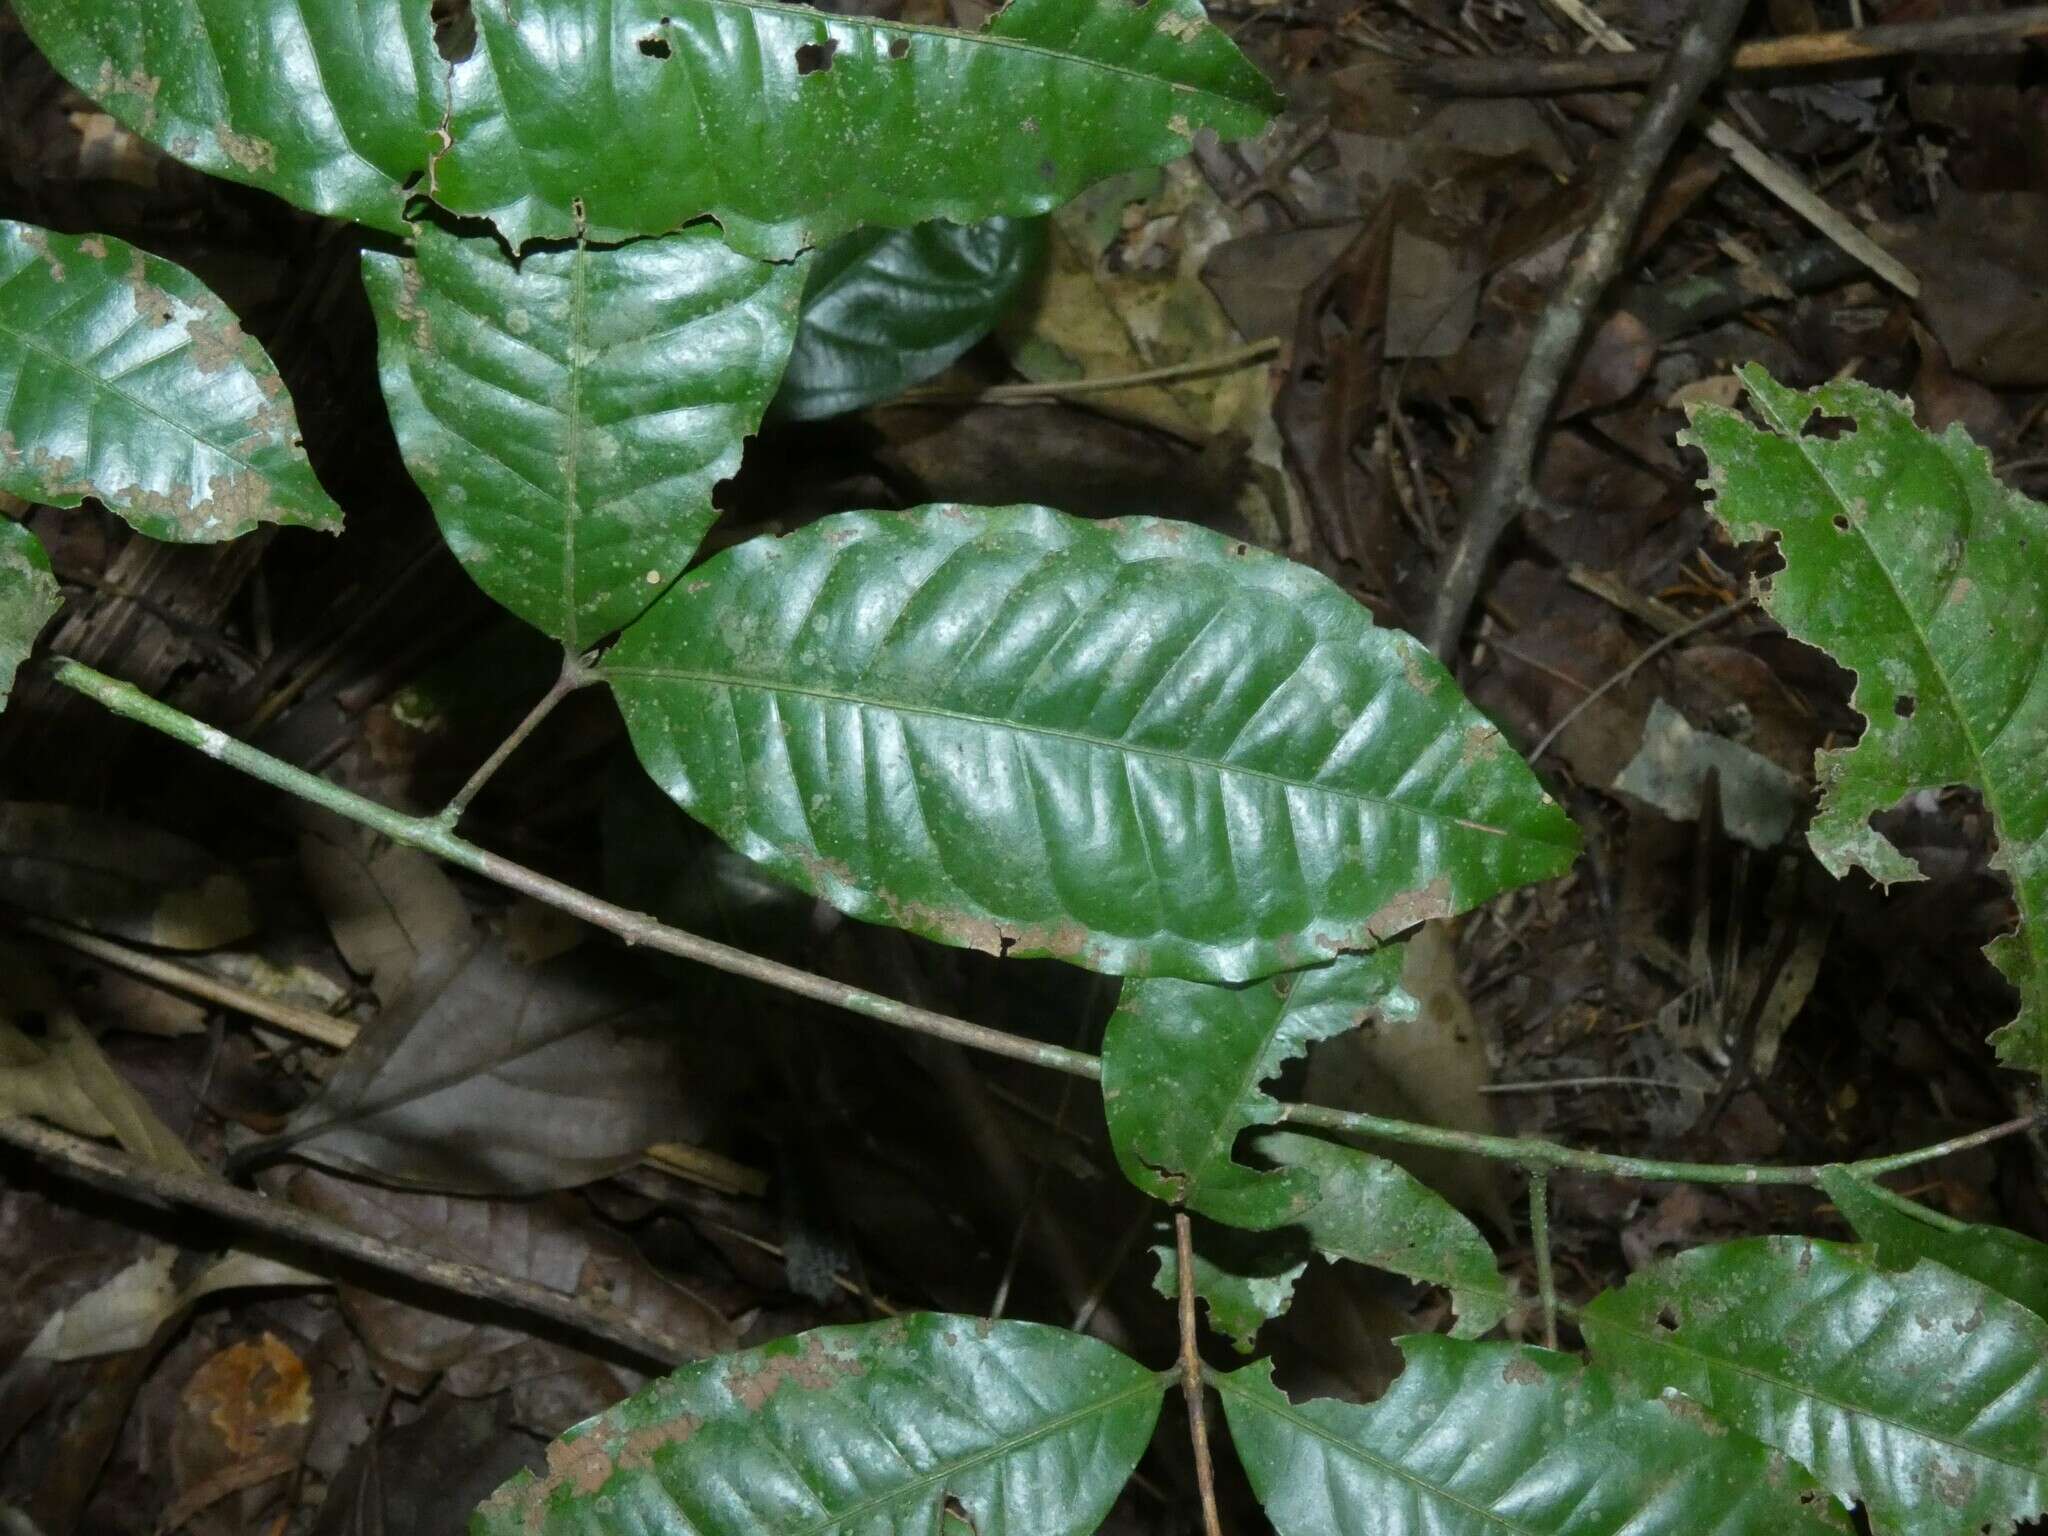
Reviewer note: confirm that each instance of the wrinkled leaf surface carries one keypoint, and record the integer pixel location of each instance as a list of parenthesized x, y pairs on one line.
[(568, 416), (1922, 1394), (877, 1428), (1134, 745), (632, 117), (1499, 1440), (122, 377)]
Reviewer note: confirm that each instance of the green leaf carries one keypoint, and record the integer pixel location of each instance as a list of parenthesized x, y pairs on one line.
[(2008, 1262), (1911, 565), (1375, 1212), (122, 377), (1924, 1395), (1494, 1438), (1134, 745), (614, 118), (1246, 1279), (887, 308), (874, 1428), (1181, 1067), (28, 599), (568, 416)]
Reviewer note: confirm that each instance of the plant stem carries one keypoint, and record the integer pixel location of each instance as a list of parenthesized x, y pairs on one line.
[(1191, 1374), (1539, 1239), (574, 675), (431, 835)]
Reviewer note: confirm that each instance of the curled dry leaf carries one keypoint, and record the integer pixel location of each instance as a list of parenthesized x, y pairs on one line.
[(119, 878)]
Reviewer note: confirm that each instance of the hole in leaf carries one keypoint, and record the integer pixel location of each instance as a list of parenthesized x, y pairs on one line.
[(954, 1516), (1841, 522), (454, 30), (1007, 942), (1828, 428), (1904, 705), (816, 58), (899, 47), (1241, 549), (655, 47), (1667, 1318)]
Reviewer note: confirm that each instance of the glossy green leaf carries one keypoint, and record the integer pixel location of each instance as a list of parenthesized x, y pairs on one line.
[(1244, 1279), (1910, 564), (887, 308), (1497, 1440), (632, 117), (122, 377), (1135, 745), (28, 599), (875, 1428), (1182, 1062), (568, 416), (1922, 1394), (1373, 1211), (2010, 1263)]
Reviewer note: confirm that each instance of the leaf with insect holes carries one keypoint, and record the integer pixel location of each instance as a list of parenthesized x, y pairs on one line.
[(1135, 745), (1245, 1279), (123, 378), (879, 1428), (615, 118), (887, 308), (1909, 563), (569, 415), (1502, 1440), (28, 599), (1182, 1064), (1921, 1394), (1373, 1211)]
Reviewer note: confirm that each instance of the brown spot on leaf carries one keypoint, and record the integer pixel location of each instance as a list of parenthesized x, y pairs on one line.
[(1522, 1372), (94, 246), (641, 1445), (39, 244), (1481, 745), (143, 88), (1410, 908), (215, 346), (247, 150), (1954, 1486), (1681, 1407), (808, 1367)]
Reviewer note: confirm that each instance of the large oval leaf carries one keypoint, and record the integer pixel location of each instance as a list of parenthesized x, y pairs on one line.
[(1908, 562), (1924, 1395), (885, 308), (1134, 745), (568, 414), (1495, 1440), (628, 117), (876, 1428), (1182, 1062), (28, 599), (122, 377)]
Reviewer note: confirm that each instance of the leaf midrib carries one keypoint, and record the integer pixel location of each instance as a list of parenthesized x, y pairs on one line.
[(1052, 733)]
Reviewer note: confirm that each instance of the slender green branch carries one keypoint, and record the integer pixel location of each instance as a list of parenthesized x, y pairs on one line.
[(432, 835), (1539, 1239), (574, 675)]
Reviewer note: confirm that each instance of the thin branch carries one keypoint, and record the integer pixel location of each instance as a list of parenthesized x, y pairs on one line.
[(431, 836), (1650, 652), (574, 675), (1191, 1384), (1232, 361), (1539, 1239), (1507, 464), (1480, 76), (121, 1174)]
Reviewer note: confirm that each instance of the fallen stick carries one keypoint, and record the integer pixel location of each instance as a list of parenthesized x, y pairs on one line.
[(1994, 31), (1507, 463)]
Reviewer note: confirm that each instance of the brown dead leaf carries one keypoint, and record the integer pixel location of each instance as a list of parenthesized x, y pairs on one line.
[(119, 878)]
